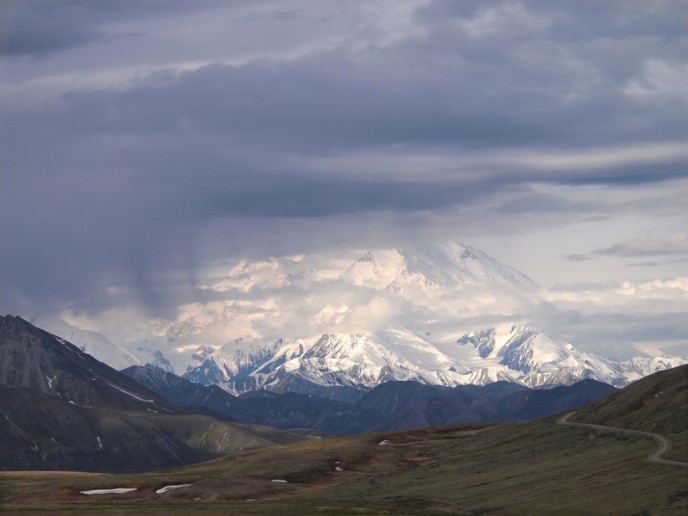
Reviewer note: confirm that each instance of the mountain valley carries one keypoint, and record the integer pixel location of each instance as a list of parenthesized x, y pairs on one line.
[(537, 467)]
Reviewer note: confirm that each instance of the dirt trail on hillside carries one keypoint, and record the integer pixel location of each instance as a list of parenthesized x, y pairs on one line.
[(664, 443)]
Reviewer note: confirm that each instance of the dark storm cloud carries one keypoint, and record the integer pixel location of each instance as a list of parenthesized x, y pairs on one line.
[(630, 175), (334, 101), (41, 27), (113, 185)]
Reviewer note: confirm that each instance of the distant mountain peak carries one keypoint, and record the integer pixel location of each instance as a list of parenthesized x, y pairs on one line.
[(359, 317), (537, 358), (519, 354)]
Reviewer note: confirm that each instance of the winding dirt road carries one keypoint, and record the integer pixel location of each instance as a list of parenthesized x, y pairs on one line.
[(656, 457)]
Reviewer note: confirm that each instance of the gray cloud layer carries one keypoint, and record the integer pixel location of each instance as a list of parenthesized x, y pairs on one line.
[(678, 245), (138, 179)]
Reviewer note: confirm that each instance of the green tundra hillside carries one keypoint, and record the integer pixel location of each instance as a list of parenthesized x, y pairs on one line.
[(540, 467)]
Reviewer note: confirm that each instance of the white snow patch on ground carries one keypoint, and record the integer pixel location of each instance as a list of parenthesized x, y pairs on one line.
[(384, 442), (163, 490), (279, 481), (116, 490)]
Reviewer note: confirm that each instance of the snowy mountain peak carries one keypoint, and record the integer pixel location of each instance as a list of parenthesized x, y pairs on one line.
[(521, 348), (202, 353), (638, 367), (362, 317), (447, 264), (208, 372), (237, 360), (511, 353), (456, 264), (536, 358)]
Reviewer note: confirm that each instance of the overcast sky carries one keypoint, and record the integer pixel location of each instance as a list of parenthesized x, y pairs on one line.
[(142, 141)]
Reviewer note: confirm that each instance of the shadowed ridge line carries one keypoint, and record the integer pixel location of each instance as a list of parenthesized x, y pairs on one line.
[(663, 442)]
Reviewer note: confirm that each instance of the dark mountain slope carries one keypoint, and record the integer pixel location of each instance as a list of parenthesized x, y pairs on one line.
[(294, 410), (62, 409), (287, 410), (434, 412), (392, 405), (392, 396), (184, 393), (432, 405), (534, 404), (43, 432), (42, 362)]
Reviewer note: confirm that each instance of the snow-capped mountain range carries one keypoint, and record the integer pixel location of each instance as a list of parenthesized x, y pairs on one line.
[(361, 318), (513, 353)]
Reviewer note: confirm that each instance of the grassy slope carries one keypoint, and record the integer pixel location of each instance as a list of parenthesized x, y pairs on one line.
[(535, 468), (657, 403), (539, 467)]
